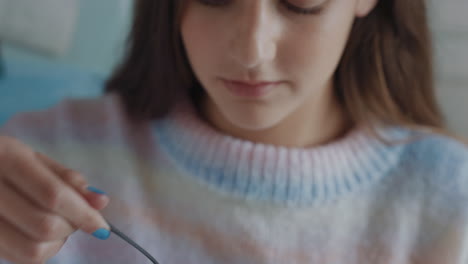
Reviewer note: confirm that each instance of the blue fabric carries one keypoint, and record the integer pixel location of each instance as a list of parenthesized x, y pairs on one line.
[(29, 86)]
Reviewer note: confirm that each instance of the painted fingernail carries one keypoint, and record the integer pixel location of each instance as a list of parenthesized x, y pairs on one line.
[(102, 233), (95, 190)]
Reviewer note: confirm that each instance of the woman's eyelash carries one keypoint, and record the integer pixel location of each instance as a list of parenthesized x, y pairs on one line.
[(300, 10), (214, 2), (287, 4)]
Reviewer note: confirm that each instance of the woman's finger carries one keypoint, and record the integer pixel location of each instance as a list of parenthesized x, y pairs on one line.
[(96, 198), (17, 248), (34, 179), (32, 221)]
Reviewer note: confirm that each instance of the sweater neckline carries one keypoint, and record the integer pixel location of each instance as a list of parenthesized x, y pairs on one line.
[(256, 171)]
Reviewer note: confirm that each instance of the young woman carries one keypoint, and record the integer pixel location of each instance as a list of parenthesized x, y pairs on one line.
[(241, 131)]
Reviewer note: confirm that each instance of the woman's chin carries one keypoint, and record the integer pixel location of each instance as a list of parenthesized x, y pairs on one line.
[(252, 121)]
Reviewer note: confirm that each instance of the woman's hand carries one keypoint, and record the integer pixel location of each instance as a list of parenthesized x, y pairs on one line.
[(41, 204)]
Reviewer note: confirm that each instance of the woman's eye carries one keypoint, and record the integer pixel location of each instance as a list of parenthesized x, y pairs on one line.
[(291, 7), (214, 2), (302, 10)]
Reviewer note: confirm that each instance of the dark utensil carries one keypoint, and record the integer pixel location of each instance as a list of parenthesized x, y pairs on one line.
[(131, 242)]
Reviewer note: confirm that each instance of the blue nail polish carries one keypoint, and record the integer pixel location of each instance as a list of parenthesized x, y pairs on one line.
[(95, 190), (102, 233)]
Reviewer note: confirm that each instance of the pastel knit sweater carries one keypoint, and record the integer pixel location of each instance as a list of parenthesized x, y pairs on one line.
[(189, 194)]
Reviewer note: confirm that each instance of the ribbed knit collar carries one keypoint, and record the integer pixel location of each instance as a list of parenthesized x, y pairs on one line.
[(294, 176)]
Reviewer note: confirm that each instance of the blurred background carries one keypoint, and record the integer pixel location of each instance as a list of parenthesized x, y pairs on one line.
[(54, 49)]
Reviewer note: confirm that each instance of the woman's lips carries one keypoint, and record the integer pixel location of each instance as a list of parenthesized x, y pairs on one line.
[(249, 90)]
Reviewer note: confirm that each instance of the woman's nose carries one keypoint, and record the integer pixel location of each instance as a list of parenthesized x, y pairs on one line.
[(252, 39)]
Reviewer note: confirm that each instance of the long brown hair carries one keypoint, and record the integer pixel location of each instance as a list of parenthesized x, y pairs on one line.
[(385, 75)]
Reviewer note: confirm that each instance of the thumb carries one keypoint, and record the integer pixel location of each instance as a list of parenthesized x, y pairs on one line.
[(94, 196)]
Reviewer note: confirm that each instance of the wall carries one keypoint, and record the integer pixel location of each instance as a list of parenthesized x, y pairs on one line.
[(450, 25), (99, 37)]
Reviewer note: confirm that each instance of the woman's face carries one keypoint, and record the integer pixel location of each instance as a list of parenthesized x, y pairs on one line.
[(295, 45)]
